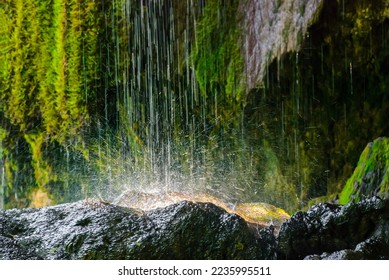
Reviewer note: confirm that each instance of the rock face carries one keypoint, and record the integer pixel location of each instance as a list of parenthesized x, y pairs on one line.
[(94, 230), (326, 231), (273, 28), (187, 230)]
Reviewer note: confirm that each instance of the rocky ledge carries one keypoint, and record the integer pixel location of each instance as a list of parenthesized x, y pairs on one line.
[(327, 231), (187, 230), (96, 230)]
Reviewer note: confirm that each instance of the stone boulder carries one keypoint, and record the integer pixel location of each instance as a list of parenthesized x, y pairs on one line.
[(193, 230), (327, 231), (95, 230)]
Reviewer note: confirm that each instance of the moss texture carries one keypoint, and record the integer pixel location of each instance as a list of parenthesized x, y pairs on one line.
[(371, 176), (48, 70), (262, 213), (321, 105), (92, 91)]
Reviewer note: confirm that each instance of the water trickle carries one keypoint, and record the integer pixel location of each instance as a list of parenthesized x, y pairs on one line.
[(351, 78), (231, 98)]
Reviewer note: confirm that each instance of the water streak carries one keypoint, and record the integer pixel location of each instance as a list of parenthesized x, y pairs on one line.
[(172, 136)]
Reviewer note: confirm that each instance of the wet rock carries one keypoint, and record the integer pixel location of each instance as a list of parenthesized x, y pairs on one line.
[(96, 230), (193, 230), (371, 176), (261, 214), (273, 28), (326, 231)]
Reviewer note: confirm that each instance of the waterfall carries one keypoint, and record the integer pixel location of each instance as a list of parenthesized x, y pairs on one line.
[(155, 91), (170, 136), (176, 135), (143, 95), (244, 100)]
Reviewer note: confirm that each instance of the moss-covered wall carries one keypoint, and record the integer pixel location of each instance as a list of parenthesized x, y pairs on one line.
[(371, 176), (92, 91), (48, 70), (321, 105)]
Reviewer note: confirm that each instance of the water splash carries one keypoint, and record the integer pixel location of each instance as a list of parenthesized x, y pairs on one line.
[(154, 121), (168, 135)]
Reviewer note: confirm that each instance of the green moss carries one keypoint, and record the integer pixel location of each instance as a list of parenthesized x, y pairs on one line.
[(218, 58), (3, 135), (48, 69), (41, 168), (371, 175), (239, 246), (323, 104), (261, 213)]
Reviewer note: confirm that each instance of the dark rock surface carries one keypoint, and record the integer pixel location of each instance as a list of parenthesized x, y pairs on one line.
[(95, 230), (187, 230), (326, 231)]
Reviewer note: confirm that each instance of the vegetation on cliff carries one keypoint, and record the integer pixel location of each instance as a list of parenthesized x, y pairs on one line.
[(94, 92), (371, 176), (321, 105), (48, 73)]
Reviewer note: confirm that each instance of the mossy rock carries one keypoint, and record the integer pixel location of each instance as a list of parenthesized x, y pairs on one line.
[(262, 213), (371, 176)]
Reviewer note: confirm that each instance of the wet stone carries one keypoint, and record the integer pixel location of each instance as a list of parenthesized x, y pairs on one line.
[(193, 230), (93, 230), (326, 231)]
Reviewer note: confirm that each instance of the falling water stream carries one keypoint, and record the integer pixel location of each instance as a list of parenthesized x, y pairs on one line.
[(248, 101), (156, 93), (167, 140)]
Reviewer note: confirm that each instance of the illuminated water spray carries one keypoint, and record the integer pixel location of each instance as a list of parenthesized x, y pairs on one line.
[(170, 129)]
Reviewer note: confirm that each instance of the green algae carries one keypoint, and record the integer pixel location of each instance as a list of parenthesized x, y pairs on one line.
[(371, 176), (321, 105), (300, 131)]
